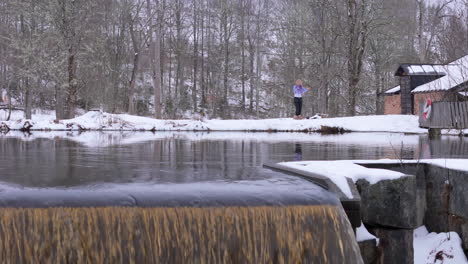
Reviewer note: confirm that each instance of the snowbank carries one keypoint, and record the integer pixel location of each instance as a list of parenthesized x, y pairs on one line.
[(437, 248), (338, 170), (104, 121)]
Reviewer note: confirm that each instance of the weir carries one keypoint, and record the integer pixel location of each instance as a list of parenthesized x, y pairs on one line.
[(278, 234), (275, 219)]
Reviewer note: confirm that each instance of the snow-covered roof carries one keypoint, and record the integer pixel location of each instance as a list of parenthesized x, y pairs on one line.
[(425, 69), (456, 73), (393, 90), (421, 69)]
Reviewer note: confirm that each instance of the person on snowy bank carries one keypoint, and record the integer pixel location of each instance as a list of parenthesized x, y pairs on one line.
[(299, 90)]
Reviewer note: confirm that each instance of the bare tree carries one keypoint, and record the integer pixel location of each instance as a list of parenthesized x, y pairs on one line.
[(155, 54), (358, 23)]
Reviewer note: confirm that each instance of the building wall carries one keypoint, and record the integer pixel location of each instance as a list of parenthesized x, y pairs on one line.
[(392, 104), (422, 97)]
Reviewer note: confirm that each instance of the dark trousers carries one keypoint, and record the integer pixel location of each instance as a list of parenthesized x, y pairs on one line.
[(298, 105)]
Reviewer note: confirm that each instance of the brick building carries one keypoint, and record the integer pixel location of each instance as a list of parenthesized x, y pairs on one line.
[(419, 82)]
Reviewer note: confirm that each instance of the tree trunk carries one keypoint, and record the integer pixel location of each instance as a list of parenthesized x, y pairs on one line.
[(59, 103), (157, 75), (225, 102), (10, 106), (421, 45), (27, 99), (251, 73), (242, 39), (357, 34), (352, 98), (72, 83), (136, 59), (195, 56), (202, 63), (179, 83), (131, 90), (258, 69), (379, 99), (155, 53)]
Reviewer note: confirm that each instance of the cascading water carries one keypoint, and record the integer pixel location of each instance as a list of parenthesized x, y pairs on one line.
[(259, 234)]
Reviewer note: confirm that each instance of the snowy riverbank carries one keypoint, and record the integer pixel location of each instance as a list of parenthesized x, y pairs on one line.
[(106, 121), (124, 122)]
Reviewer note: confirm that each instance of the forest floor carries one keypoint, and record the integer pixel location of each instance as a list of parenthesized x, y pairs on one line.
[(123, 122)]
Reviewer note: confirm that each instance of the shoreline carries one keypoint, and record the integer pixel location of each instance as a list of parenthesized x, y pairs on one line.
[(101, 121)]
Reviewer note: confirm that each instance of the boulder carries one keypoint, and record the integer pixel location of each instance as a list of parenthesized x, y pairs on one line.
[(437, 199), (392, 203), (395, 245), (460, 225), (458, 181), (369, 251)]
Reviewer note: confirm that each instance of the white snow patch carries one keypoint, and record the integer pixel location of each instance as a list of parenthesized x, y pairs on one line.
[(339, 170), (362, 234), (437, 247)]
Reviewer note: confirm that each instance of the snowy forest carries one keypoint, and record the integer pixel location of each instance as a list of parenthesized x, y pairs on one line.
[(218, 58)]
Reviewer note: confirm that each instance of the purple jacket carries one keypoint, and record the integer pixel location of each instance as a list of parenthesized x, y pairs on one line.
[(299, 90)]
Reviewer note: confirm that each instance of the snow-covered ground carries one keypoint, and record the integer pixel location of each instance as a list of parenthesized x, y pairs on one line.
[(37, 115), (105, 121), (123, 122), (339, 170), (437, 247)]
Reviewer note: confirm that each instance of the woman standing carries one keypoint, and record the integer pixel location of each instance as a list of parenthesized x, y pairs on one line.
[(299, 90)]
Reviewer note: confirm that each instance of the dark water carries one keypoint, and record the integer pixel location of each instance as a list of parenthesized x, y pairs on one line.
[(60, 159)]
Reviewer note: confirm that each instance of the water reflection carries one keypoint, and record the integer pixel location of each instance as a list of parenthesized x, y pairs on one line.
[(69, 159), (298, 152)]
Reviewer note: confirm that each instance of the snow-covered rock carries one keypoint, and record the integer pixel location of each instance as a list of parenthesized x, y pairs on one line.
[(339, 170)]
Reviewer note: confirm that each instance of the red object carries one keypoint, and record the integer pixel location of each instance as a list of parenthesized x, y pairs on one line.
[(427, 108)]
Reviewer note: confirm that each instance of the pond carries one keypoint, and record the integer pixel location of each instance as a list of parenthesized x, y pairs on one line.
[(71, 159), (182, 190)]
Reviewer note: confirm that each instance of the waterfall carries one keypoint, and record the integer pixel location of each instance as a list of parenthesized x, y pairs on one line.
[(252, 234)]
